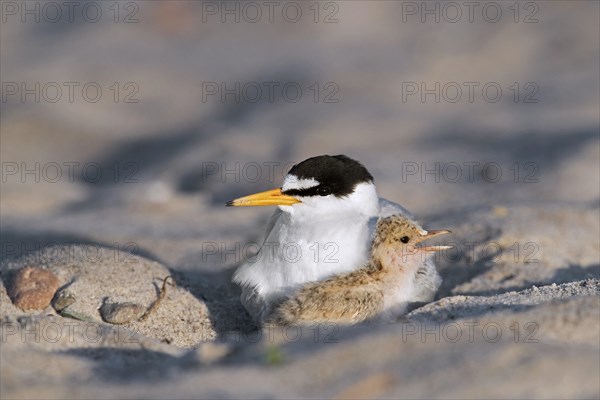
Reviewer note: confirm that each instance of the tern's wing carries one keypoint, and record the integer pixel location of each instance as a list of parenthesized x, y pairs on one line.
[(387, 208), (427, 282)]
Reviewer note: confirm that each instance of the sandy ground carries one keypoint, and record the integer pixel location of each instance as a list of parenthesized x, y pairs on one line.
[(518, 183)]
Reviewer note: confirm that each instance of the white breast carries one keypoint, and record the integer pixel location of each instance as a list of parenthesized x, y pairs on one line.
[(298, 251)]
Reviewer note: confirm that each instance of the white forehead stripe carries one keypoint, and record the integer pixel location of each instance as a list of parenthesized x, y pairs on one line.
[(293, 182)]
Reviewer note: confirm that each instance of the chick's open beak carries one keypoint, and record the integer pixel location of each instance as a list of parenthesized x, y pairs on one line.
[(273, 197), (431, 234)]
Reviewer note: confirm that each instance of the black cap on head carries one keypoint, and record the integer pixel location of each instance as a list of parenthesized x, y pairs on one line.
[(337, 175)]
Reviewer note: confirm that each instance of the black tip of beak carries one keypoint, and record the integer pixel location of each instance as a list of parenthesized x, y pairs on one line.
[(229, 203)]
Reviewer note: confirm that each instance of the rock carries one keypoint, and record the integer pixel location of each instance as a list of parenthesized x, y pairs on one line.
[(96, 273), (33, 288), (121, 313)]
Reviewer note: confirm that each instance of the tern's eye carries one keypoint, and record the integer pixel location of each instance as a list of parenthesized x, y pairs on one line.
[(323, 190), (405, 239)]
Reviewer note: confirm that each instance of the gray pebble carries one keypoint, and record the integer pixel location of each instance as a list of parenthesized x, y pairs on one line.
[(121, 313)]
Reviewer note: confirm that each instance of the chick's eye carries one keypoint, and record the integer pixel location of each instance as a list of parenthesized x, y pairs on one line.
[(323, 190), (404, 239)]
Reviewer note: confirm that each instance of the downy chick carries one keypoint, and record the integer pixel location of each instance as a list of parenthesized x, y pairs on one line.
[(384, 287)]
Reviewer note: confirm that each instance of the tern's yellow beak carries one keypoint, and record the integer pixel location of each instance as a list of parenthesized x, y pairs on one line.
[(431, 234), (272, 197)]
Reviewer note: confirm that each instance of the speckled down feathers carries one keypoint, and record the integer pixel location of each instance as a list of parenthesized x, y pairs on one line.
[(357, 296)]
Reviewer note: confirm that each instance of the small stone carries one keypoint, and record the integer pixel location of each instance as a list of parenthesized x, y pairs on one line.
[(121, 313), (63, 300), (33, 288)]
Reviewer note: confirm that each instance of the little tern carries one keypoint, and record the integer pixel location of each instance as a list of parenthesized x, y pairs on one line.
[(327, 212)]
